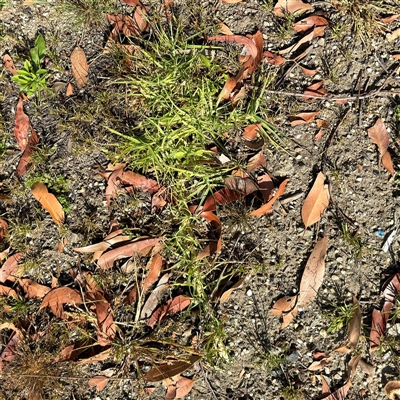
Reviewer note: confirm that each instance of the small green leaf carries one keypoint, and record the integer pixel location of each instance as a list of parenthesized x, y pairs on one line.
[(40, 45)]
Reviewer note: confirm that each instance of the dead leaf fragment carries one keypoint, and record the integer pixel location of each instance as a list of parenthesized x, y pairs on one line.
[(106, 329), (7, 291), (70, 90), (56, 298), (310, 22), (273, 59), (283, 7), (21, 125), (49, 202), (172, 307), (308, 72), (387, 162), (26, 155), (283, 305), (164, 371), (9, 267), (392, 389), (228, 292), (341, 393), (318, 365), (183, 387), (100, 381), (313, 274), (9, 64), (80, 67), (155, 297), (378, 329), (316, 202), (3, 229), (303, 118), (33, 289)]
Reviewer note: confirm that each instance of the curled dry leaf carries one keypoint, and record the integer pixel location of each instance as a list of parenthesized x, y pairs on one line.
[(80, 67), (267, 208), (215, 244), (22, 125), (129, 26), (33, 141), (164, 371), (56, 299), (7, 291), (316, 202), (257, 161), (251, 138), (224, 29), (172, 307), (49, 202), (391, 389), (284, 305), (9, 267), (387, 162), (283, 7), (322, 124), (303, 118), (310, 22), (390, 290), (316, 32), (313, 274), (106, 261)]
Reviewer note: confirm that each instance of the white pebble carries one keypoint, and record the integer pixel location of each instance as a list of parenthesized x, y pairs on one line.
[(249, 293)]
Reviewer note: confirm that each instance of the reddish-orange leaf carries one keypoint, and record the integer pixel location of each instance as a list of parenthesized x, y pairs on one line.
[(267, 208), (325, 387), (102, 356), (21, 125), (173, 306), (322, 124), (49, 202), (283, 305), (168, 370), (317, 365), (308, 72), (100, 381), (315, 89), (70, 90), (303, 118), (106, 261), (129, 26), (257, 161), (113, 182), (313, 274), (316, 202), (223, 196), (379, 135), (274, 59), (214, 246), (9, 64), (251, 132), (243, 40), (9, 267), (106, 329), (224, 29), (319, 135), (283, 7), (341, 393), (317, 31), (80, 67), (139, 182), (387, 162), (266, 186), (26, 155), (33, 289), (309, 22), (56, 299), (396, 56)]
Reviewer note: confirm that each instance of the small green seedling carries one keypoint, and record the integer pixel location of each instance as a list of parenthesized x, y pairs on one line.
[(32, 79), (397, 112)]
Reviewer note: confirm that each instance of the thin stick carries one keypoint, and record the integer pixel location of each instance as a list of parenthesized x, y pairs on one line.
[(207, 382)]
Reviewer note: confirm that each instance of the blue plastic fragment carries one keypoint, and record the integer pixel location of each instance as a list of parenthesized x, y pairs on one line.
[(380, 233)]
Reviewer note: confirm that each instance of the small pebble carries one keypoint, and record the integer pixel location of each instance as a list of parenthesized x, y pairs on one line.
[(249, 293)]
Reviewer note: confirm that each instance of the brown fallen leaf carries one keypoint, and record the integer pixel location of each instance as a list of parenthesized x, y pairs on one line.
[(224, 29), (33, 141), (302, 118), (104, 245), (48, 201), (353, 329), (106, 261), (10, 350), (313, 274), (138, 181), (172, 307), (70, 90), (56, 298), (284, 305), (33, 289), (215, 243), (7, 291), (22, 125), (154, 268), (325, 388), (100, 381), (387, 162), (163, 371), (352, 366), (396, 56), (316, 32), (267, 208), (308, 72), (316, 202), (317, 365), (102, 356), (378, 329), (390, 290), (228, 292), (341, 393), (9, 64), (9, 267), (310, 22), (3, 229), (283, 7), (129, 26), (391, 389), (132, 3), (155, 297), (80, 67), (379, 135), (273, 59), (315, 89), (389, 19), (319, 135), (106, 328), (257, 161), (322, 124), (183, 387)]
